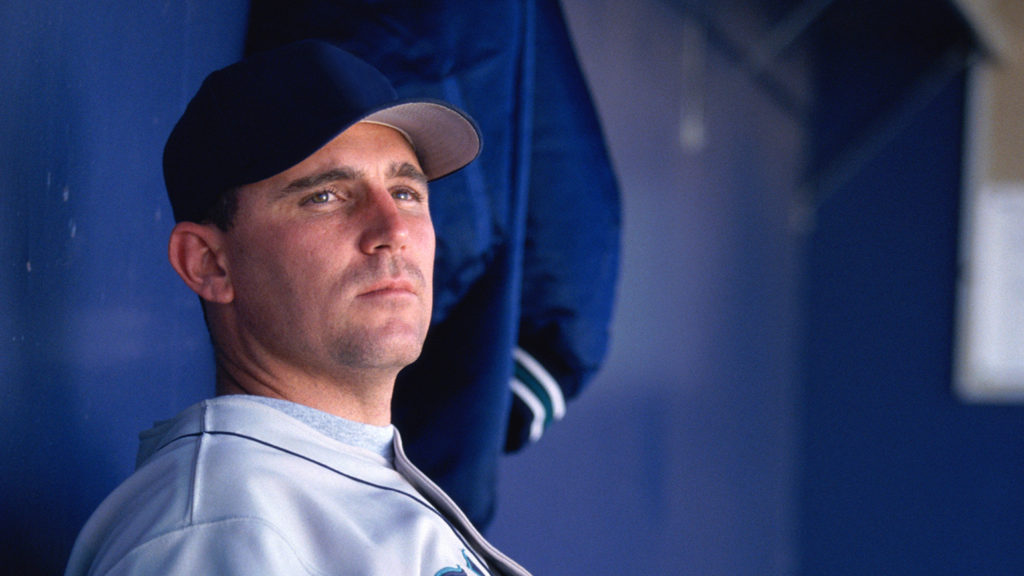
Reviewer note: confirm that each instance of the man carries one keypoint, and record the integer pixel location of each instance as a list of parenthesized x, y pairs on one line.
[(525, 269), (299, 183)]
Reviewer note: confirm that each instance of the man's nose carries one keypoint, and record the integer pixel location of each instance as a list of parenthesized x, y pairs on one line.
[(384, 226)]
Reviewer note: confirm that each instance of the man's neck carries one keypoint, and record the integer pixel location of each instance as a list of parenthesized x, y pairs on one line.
[(358, 397)]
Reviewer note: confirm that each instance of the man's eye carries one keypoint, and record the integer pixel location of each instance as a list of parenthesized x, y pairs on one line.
[(407, 194), (321, 197)]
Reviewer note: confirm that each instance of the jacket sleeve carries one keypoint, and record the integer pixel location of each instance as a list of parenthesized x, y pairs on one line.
[(571, 251)]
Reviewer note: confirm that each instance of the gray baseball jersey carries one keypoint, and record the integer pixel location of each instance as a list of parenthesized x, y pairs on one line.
[(234, 486)]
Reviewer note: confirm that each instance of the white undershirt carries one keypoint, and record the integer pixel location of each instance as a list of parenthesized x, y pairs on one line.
[(376, 439)]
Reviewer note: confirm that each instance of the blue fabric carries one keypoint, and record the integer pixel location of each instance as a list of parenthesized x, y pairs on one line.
[(527, 235)]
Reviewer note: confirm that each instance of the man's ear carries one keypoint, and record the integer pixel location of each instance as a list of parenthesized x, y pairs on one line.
[(196, 252)]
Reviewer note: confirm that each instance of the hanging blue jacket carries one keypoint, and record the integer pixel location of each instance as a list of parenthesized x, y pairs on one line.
[(528, 235)]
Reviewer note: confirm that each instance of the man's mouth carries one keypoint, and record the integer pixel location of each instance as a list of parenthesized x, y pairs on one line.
[(391, 287)]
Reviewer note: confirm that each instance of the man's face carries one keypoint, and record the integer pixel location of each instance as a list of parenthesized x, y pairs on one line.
[(331, 261)]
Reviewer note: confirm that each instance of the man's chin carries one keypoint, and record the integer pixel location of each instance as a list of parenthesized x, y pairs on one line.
[(391, 348)]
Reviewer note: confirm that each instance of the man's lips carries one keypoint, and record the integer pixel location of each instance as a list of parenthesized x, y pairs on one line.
[(391, 287)]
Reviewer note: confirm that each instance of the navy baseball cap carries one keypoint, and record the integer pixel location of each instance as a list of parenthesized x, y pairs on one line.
[(268, 112)]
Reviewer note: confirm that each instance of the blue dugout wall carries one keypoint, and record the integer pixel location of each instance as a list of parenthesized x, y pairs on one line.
[(778, 398), (99, 337)]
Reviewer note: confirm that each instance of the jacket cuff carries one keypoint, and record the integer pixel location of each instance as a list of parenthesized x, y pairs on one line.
[(535, 388)]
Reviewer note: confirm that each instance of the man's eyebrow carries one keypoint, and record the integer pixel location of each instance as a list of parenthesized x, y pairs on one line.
[(407, 170), (345, 173), (321, 178)]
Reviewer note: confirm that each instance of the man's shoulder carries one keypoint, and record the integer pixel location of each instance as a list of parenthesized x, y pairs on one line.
[(236, 458), (229, 546), (187, 484)]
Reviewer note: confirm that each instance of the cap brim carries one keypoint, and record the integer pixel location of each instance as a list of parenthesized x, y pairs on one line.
[(444, 139)]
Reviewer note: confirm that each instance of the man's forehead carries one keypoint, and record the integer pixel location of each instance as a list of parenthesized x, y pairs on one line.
[(365, 137), (352, 154)]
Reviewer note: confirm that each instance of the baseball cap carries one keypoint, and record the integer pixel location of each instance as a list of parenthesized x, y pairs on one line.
[(268, 112)]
